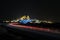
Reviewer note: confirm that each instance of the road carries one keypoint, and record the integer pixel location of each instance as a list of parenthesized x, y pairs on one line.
[(31, 32), (33, 28)]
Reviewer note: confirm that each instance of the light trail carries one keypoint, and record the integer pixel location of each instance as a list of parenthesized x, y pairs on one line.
[(33, 28)]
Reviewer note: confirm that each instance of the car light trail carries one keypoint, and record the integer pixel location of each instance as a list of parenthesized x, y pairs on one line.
[(33, 28)]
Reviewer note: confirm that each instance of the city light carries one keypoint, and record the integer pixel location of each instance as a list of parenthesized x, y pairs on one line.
[(6, 21), (25, 19)]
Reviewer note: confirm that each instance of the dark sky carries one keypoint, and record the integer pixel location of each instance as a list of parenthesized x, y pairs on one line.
[(42, 9)]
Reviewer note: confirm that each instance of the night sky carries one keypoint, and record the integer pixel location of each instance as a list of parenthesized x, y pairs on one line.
[(42, 9)]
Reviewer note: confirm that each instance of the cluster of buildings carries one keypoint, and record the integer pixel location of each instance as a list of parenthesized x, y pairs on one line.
[(28, 19)]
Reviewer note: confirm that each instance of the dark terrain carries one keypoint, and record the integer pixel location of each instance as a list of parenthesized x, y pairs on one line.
[(10, 33)]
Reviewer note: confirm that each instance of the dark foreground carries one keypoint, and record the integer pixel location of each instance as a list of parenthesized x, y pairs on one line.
[(13, 33)]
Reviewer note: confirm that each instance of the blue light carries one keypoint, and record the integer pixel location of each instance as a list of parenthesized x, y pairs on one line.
[(25, 21)]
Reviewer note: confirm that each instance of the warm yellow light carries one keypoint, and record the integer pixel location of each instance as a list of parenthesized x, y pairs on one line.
[(6, 21), (12, 21), (28, 17), (50, 22), (23, 17), (45, 21)]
